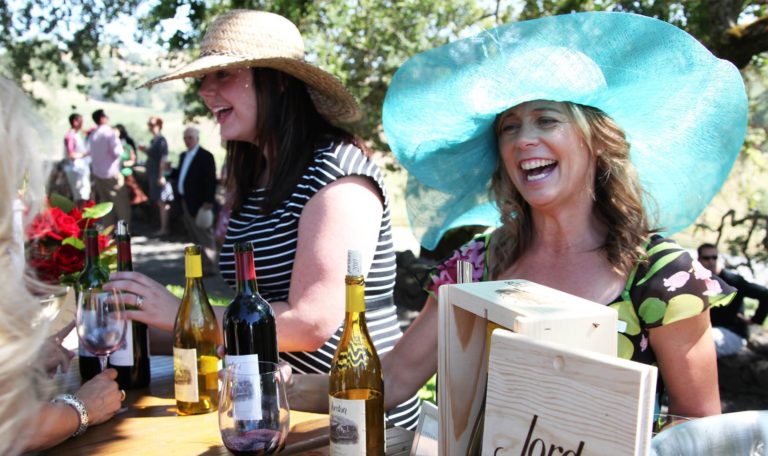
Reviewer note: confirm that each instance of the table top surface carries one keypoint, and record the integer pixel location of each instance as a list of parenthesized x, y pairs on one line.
[(150, 425)]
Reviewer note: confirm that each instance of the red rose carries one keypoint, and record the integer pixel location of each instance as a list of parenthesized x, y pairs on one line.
[(103, 242), (66, 225), (46, 269), (69, 259), (42, 226), (76, 213)]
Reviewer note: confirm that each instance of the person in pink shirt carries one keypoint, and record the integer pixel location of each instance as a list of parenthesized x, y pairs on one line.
[(76, 163), (109, 183)]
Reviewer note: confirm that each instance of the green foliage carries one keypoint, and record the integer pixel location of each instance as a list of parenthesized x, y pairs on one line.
[(428, 392), (42, 41), (365, 42), (178, 291), (61, 201), (97, 211)]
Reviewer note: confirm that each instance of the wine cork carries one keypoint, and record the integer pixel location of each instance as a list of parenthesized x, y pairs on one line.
[(354, 260)]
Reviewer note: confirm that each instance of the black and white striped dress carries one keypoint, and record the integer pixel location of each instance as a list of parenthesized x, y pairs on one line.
[(275, 236)]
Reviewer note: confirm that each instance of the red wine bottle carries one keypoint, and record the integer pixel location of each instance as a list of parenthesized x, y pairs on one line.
[(131, 361), (92, 277), (249, 321)]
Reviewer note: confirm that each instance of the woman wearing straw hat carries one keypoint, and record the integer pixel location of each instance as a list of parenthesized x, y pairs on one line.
[(304, 191), (591, 132)]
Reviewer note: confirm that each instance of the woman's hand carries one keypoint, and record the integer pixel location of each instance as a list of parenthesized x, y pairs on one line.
[(150, 302), (101, 397), (54, 355)]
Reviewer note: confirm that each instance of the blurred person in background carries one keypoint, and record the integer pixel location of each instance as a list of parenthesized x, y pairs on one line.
[(109, 183), (77, 163), (730, 323), (128, 161), (196, 185), (160, 191)]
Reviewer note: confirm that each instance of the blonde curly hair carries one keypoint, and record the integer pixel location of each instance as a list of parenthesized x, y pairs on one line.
[(22, 383), (618, 197)]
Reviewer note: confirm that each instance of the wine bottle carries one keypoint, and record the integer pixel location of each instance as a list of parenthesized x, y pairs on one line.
[(249, 321), (356, 384), (195, 336), (132, 360), (92, 277)]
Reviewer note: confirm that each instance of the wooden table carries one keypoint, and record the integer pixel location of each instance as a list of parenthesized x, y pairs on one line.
[(150, 426)]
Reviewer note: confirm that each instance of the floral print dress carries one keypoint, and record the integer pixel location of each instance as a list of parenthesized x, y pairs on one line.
[(670, 286)]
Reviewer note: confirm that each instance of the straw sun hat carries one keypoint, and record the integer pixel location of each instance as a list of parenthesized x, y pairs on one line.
[(684, 111), (244, 38)]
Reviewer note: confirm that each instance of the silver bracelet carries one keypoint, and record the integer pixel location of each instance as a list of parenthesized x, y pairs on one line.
[(77, 404)]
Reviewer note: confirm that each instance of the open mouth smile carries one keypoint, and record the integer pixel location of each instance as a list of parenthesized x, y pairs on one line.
[(537, 169)]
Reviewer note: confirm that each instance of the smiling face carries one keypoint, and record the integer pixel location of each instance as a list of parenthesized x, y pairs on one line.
[(230, 95), (545, 155)]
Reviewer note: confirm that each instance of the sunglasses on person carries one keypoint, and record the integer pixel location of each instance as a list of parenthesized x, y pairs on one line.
[(708, 257)]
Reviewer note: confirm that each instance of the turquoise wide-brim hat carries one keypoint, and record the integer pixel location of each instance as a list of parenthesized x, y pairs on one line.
[(684, 111)]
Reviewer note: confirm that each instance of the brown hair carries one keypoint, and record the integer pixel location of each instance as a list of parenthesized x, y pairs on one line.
[(154, 120), (617, 197), (288, 128)]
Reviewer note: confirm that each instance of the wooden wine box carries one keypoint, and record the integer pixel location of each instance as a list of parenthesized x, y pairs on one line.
[(547, 398), (467, 313)]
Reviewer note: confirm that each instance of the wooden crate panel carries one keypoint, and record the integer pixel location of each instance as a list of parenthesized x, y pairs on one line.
[(545, 398)]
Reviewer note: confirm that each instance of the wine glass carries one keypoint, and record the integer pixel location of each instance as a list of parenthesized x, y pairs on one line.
[(253, 409), (101, 322)]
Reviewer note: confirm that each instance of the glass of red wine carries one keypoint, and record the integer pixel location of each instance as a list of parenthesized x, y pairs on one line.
[(253, 409), (101, 322)]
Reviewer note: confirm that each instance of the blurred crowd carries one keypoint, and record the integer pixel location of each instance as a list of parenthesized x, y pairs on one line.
[(103, 163)]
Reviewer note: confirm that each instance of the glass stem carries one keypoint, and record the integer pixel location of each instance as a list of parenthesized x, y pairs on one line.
[(103, 362)]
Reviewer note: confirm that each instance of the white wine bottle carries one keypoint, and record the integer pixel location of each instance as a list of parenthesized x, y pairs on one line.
[(195, 336), (356, 385)]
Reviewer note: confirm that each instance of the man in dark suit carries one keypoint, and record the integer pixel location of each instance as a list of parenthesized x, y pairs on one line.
[(196, 185), (731, 317)]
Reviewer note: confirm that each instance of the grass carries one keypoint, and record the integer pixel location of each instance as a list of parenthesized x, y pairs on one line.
[(178, 291), (428, 392)]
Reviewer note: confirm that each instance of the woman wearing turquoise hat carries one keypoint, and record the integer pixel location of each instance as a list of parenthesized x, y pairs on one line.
[(591, 133)]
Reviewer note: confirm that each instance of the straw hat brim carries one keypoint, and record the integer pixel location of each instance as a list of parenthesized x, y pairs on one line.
[(331, 98)]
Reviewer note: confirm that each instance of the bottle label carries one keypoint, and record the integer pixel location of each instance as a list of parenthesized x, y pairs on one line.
[(124, 355), (185, 374), (347, 426), (246, 387)]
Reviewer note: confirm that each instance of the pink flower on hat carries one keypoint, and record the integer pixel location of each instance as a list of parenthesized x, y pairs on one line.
[(676, 280), (713, 287), (700, 272)]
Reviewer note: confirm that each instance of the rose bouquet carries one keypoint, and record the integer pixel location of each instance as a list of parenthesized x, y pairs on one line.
[(54, 245)]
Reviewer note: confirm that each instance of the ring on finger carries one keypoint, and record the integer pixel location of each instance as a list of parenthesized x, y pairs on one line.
[(139, 301), (122, 395)]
